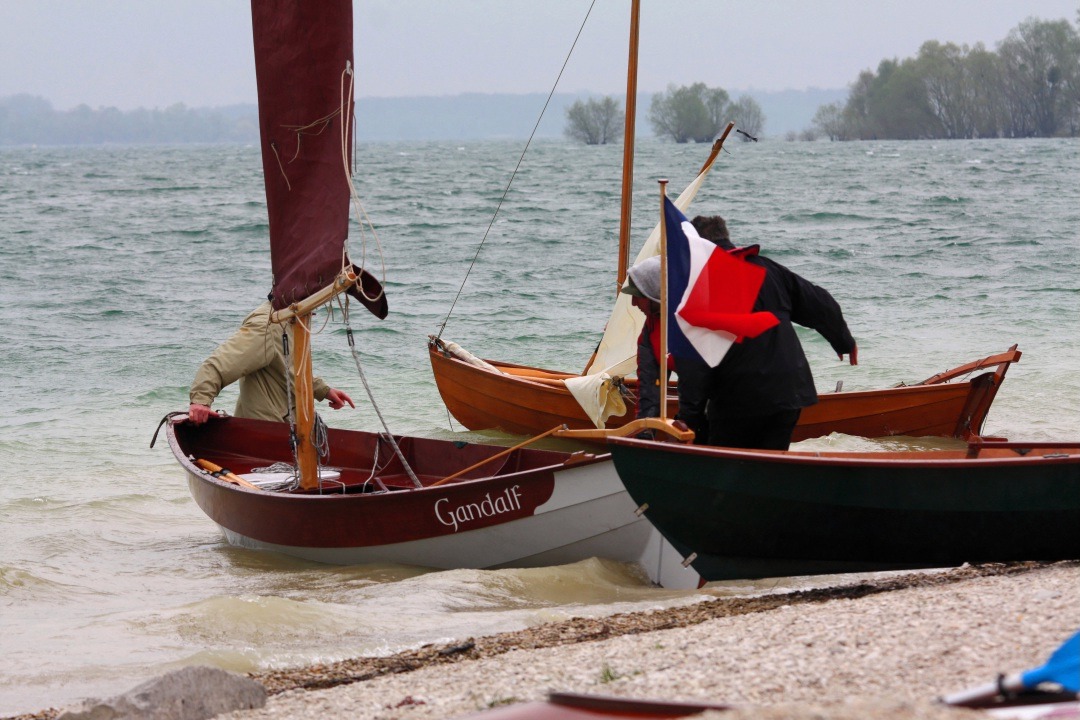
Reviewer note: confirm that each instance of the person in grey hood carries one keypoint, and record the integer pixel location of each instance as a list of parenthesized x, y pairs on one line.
[(643, 284)]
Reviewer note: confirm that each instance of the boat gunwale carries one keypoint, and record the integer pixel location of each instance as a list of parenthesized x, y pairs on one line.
[(958, 458), (588, 458), (946, 379)]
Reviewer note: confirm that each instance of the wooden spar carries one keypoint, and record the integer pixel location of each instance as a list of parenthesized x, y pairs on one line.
[(628, 158), (663, 374), (716, 148), (299, 314), (628, 146), (498, 455), (345, 280), (307, 457)]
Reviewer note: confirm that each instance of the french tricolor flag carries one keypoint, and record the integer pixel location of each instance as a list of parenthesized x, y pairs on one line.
[(711, 293)]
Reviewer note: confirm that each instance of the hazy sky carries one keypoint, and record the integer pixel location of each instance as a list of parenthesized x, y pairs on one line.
[(153, 53)]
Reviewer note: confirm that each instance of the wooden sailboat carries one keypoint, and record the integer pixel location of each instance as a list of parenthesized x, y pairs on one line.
[(745, 514), (525, 508), (362, 497), (484, 394), (759, 513), (525, 400)]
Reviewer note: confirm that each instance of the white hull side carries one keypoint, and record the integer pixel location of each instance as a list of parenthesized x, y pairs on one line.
[(588, 515)]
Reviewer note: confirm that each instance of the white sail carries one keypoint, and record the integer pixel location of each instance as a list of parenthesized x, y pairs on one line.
[(617, 353)]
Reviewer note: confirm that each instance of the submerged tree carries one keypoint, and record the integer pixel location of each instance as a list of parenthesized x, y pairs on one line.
[(695, 112), (829, 121), (594, 122)]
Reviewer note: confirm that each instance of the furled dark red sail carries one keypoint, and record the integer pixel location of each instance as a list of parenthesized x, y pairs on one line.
[(301, 50)]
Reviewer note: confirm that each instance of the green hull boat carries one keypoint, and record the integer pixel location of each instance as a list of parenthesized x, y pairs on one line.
[(743, 514)]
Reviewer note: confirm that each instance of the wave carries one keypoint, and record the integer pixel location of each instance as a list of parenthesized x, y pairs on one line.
[(823, 216)]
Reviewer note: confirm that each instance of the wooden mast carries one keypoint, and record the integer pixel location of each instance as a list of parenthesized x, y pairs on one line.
[(299, 315), (303, 64), (628, 146), (628, 158), (307, 457)]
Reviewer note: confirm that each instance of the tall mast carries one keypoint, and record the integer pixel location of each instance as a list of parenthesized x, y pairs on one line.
[(299, 314), (307, 456), (628, 145), (303, 56)]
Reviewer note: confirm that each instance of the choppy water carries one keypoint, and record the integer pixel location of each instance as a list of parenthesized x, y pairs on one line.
[(121, 268)]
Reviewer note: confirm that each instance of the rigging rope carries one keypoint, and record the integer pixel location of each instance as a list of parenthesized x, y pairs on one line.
[(513, 175), (371, 396), (347, 85)]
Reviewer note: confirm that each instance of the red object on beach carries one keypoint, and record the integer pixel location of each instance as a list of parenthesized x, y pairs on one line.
[(570, 706)]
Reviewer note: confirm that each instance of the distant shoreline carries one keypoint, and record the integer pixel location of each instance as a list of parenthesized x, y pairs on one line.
[(29, 120)]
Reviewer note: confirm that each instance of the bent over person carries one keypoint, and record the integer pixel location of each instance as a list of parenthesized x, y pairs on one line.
[(759, 389), (255, 358)]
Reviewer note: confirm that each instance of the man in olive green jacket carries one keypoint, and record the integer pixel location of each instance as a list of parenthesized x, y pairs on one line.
[(254, 356)]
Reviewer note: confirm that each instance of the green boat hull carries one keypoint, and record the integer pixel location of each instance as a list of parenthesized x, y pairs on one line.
[(746, 514)]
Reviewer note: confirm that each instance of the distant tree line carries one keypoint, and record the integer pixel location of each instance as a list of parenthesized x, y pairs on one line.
[(690, 112), (30, 120), (1029, 87)]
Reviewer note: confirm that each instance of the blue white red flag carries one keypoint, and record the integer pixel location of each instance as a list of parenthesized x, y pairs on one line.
[(711, 293)]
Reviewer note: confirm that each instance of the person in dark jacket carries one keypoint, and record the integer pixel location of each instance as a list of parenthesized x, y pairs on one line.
[(643, 283), (757, 392)]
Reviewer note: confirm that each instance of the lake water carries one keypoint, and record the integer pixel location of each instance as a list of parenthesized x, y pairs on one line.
[(122, 268)]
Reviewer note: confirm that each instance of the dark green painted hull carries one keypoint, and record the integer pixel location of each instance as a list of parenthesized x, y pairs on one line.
[(746, 514)]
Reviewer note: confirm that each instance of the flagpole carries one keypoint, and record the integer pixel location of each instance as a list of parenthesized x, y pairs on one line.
[(663, 374)]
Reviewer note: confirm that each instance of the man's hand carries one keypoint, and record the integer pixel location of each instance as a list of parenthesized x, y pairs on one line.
[(198, 414), (338, 399), (854, 355)]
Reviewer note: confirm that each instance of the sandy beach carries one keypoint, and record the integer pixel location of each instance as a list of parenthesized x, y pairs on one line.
[(889, 646), (881, 648)]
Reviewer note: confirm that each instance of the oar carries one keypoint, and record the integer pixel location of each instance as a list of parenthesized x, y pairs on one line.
[(226, 475), (497, 455), (1063, 668)]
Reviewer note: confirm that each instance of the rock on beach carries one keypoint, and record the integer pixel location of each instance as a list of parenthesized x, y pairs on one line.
[(191, 693)]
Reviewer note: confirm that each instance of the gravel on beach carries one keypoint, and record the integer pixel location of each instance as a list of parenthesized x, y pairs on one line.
[(883, 648)]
